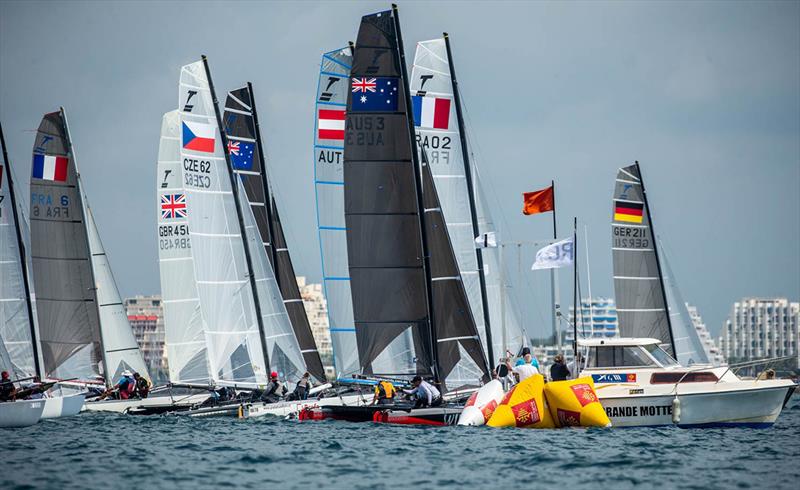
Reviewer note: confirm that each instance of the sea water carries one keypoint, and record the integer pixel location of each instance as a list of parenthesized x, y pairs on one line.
[(114, 451)]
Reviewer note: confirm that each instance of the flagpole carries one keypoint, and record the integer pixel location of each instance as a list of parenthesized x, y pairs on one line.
[(239, 213), (575, 288), (554, 279), (23, 262)]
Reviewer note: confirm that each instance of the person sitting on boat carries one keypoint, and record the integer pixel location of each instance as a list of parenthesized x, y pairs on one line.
[(126, 385), (8, 392), (36, 390), (142, 386), (559, 370), (525, 369), (303, 387), (426, 394), (275, 389), (527, 358), (384, 393)]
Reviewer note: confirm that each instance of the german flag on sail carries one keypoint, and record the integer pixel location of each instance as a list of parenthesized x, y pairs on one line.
[(628, 211)]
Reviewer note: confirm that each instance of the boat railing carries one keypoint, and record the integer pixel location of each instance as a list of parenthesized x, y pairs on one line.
[(734, 368)]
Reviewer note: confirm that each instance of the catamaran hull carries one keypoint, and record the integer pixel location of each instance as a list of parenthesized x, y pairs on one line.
[(293, 408), (63, 406), (21, 413), (123, 406), (755, 407), (420, 416)]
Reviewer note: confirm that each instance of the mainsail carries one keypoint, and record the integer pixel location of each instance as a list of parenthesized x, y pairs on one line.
[(83, 329), (331, 102), (386, 260), (247, 159), (638, 286), (440, 135), (18, 353), (184, 331)]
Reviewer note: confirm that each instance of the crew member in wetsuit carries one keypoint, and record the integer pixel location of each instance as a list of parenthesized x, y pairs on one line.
[(8, 392), (142, 386), (426, 394), (384, 393), (275, 389)]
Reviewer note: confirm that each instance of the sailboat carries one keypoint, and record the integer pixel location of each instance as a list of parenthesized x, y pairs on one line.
[(440, 131), (637, 377), (405, 284), (19, 350)]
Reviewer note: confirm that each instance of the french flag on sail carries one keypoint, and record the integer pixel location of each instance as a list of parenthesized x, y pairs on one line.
[(50, 167), (431, 112), (198, 137)]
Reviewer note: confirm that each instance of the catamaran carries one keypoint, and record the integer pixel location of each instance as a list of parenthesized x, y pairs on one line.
[(410, 311), (657, 373)]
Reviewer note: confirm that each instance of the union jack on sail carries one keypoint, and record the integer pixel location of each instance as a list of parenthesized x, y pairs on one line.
[(364, 85), (173, 206)]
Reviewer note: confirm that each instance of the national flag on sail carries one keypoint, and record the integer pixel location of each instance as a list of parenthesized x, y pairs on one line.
[(241, 153), (50, 167), (628, 211), (375, 94), (538, 201), (554, 256), (486, 240), (330, 124), (431, 112), (198, 137), (173, 206)]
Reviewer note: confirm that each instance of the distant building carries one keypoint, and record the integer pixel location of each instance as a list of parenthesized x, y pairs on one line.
[(146, 317), (597, 318), (317, 312), (760, 329), (714, 354)]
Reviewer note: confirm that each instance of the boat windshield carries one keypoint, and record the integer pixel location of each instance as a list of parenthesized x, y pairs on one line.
[(661, 355), (611, 357)]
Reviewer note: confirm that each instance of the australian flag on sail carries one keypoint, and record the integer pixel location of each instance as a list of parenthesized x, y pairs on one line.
[(376, 94), (173, 206), (241, 153)]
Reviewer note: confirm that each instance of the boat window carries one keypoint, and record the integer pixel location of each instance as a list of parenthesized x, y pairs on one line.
[(608, 356), (661, 355), (675, 377)]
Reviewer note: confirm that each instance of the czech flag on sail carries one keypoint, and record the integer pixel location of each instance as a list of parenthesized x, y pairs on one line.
[(431, 112), (198, 137), (628, 211), (330, 124), (50, 167)]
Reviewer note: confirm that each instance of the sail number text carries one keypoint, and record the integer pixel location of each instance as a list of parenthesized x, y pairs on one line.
[(196, 173), (625, 237)]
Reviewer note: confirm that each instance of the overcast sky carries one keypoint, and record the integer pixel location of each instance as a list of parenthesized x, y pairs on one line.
[(706, 95)]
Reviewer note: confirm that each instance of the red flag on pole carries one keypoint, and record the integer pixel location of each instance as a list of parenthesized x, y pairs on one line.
[(538, 201)]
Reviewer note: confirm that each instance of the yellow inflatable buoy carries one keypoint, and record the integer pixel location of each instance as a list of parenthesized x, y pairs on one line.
[(574, 403), (523, 406)]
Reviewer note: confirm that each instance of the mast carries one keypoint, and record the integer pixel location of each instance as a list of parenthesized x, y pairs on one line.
[(426, 256), (235, 190), (658, 261), (471, 195), (553, 285), (79, 191), (23, 262), (575, 288), (267, 193)]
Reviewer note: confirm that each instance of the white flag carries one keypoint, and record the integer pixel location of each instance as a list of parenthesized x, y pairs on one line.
[(486, 240), (553, 256)]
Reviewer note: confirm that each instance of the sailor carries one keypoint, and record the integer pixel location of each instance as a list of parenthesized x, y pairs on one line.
[(525, 369), (527, 358), (142, 386), (8, 392), (559, 370), (384, 393), (36, 389), (275, 389), (125, 386), (427, 395), (303, 387)]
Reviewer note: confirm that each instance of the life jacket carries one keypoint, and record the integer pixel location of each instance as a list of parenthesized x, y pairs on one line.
[(385, 389)]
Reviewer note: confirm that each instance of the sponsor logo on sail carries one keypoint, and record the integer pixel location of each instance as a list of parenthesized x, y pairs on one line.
[(50, 167)]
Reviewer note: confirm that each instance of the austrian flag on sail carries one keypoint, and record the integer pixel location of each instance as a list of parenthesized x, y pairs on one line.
[(331, 124)]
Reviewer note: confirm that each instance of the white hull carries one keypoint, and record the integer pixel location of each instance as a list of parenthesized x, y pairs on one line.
[(292, 408), (122, 406), (750, 406), (21, 413), (63, 406)]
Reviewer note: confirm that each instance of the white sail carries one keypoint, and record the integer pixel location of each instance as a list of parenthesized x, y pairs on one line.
[(235, 353), (184, 332), (283, 350), (438, 133), (16, 348), (120, 349)]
